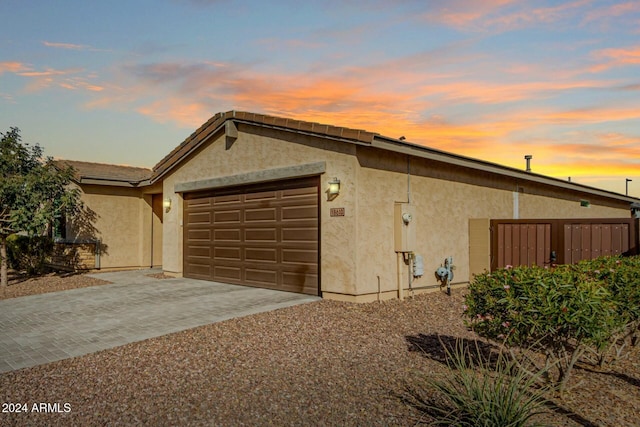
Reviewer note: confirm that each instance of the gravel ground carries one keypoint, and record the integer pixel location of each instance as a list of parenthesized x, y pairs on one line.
[(21, 285), (322, 363)]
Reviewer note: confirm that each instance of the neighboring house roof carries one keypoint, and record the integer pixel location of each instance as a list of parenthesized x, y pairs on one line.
[(226, 122), (106, 174)]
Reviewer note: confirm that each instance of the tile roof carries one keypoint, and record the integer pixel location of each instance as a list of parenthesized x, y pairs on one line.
[(215, 123), (134, 176), (313, 128), (106, 172)]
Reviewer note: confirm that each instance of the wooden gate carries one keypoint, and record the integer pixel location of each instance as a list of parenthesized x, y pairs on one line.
[(523, 244), (589, 241), (560, 241)]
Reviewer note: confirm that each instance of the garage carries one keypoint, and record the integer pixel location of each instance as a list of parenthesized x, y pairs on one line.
[(264, 235)]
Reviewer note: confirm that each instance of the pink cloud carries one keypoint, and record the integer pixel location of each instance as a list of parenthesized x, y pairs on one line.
[(393, 98), (524, 18), (616, 57), (13, 67), (501, 15), (177, 110), (465, 13), (612, 11)]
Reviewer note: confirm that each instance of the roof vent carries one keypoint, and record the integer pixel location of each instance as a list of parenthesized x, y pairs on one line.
[(528, 158)]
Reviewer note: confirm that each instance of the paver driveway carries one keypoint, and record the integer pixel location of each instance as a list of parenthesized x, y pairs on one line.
[(44, 328)]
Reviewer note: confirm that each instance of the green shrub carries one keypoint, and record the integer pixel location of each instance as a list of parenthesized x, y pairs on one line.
[(29, 254), (621, 276), (560, 312), (479, 391)]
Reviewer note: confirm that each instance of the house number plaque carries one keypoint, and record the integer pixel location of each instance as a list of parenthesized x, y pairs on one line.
[(336, 212)]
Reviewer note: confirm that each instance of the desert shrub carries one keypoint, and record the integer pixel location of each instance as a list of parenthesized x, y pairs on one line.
[(621, 276), (561, 312), (29, 253), (481, 391)]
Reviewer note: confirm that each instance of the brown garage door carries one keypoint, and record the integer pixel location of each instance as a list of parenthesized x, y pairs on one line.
[(260, 235)]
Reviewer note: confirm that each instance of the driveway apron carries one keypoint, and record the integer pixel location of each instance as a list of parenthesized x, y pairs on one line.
[(45, 328)]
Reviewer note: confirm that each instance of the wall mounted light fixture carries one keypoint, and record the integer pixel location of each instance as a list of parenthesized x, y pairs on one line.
[(166, 203), (334, 189)]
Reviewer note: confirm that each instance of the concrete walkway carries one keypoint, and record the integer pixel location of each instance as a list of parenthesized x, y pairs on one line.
[(44, 328)]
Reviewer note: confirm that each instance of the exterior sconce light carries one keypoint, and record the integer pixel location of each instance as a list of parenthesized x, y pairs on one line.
[(334, 189), (166, 203)]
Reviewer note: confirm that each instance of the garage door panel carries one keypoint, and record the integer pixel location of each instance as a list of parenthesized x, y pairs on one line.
[(300, 234), (200, 269), (260, 196), (229, 273), (227, 234), (299, 256), (227, 216), (221, 253), (198, 203), (225, 200), (306, 283), (261, 277), (299, 212), (264, 236), (297, 192), (196, 218), (199, 235), (261, 255), (199, 252), (267, 234), (260, 215)]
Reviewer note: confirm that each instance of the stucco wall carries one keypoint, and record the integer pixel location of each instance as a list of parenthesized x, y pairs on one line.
[(443, 209), (357, 249), (156, 229), (533, 206), (121, 220), (262, 149)]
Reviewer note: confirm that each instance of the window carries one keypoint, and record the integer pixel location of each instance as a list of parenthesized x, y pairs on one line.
[(59, 229)]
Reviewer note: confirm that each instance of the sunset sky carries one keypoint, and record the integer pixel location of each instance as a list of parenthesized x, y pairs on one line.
[(124, 82)]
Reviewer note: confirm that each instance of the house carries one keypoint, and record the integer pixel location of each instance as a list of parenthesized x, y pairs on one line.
[(307, 207)]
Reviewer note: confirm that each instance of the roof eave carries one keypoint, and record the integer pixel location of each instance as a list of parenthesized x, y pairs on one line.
[(484, 166), (112, 182)]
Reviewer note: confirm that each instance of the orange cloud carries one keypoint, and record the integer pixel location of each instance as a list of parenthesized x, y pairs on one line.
[(177, 110), (463, 14), (12, 67), (44, 79), (79, 83), (616, 57), (591, 169), (394, 99), (591, 115), (50, 77), (493, 92)]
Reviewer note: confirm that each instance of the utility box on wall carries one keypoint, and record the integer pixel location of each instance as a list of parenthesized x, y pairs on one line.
[(404, 228)]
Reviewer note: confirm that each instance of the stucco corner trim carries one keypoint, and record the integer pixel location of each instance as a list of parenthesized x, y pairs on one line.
[(267, 175)]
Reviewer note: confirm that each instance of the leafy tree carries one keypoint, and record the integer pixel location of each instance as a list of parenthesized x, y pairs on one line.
[(33, 191)]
